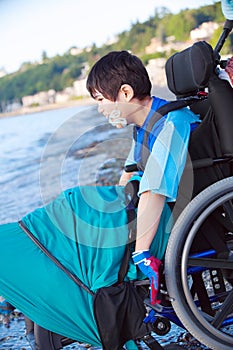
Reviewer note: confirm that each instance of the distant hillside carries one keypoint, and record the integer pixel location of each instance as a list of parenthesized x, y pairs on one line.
[(60, 71)]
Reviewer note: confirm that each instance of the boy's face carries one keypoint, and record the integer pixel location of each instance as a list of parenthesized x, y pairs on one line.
[(105, 106), (112, 111), (118, 113)]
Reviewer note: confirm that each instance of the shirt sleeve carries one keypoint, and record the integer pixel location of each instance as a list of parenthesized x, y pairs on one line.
[(130, 159), (166, 162)]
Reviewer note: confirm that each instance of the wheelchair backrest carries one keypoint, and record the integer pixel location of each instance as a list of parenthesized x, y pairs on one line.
[(189, 73)]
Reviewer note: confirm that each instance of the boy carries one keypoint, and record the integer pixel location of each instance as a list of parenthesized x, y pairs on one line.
[(121, 86)]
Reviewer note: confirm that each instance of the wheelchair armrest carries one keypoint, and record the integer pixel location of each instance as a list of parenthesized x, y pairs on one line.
[(208, 162), (131, 168)]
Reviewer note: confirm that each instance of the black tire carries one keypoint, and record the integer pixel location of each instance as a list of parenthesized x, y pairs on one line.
[(176, 265)]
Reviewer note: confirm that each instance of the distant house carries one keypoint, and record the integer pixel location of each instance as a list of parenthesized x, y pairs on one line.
[(28, 100), (204, 31), (12, 107), (157, 46), (74, 51), (64, 95), (156, 71), (40, 99), (80, 88), (43, 98), (154, 46)]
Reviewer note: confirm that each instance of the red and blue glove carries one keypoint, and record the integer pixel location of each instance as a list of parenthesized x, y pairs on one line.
[(149, 265)]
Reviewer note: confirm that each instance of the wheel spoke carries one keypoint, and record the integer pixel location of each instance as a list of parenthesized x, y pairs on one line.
[(224, 310), (211, 263)]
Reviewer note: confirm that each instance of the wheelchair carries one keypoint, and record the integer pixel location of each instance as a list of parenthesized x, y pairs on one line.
[(197, 281), (199, 275)]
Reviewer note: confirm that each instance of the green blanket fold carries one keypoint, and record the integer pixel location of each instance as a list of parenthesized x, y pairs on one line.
[(85, 228)]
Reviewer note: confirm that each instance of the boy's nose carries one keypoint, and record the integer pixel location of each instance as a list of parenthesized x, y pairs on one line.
[(100, 109)]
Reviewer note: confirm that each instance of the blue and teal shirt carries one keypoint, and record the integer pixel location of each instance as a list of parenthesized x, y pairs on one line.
[(168, 144)]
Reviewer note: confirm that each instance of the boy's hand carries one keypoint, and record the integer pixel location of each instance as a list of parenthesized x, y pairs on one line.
[(149, 265)]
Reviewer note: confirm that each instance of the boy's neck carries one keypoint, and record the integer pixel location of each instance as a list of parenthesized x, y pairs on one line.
[(141, 114)]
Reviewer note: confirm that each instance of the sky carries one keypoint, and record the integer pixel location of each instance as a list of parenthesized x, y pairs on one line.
[(29, 27)]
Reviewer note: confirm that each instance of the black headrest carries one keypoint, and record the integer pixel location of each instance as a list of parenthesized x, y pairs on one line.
[(189, 71)]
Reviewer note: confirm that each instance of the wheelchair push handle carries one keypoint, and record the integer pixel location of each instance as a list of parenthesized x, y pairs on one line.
[(227, 28), (227, 9)]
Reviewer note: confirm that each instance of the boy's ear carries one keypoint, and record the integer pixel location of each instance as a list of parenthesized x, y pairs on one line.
[(127, 91)]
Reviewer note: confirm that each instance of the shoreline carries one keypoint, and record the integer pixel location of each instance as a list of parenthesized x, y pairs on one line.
[(160, 91), (31, 110)]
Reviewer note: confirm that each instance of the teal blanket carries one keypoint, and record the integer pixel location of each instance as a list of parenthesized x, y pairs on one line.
[(85, 228)]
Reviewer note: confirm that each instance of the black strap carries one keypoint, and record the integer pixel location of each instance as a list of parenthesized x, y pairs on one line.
[(124, 264), (145, 151), (131, 198), (51, 257), (178, 104), (165, 109)]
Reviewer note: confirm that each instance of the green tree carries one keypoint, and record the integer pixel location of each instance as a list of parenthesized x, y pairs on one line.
[(44, 56)]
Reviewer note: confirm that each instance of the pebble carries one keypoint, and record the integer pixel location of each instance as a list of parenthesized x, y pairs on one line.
[(14, 338)]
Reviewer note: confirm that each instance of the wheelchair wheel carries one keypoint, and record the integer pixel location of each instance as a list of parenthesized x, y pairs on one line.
[(199, 267)]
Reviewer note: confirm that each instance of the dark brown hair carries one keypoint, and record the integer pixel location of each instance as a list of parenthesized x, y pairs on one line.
[(115, 69)]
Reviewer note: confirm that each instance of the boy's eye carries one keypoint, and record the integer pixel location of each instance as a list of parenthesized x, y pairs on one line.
[(99, 99)]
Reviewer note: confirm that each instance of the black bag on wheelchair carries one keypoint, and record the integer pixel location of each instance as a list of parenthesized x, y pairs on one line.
[(119, 312)]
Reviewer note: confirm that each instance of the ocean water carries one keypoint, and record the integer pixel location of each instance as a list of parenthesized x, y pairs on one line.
[(44, 153)]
